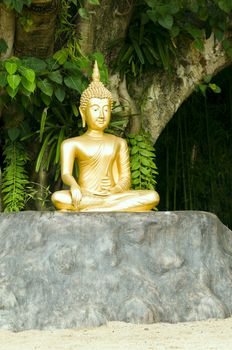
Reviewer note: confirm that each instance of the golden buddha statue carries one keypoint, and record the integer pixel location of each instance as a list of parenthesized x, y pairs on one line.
[(103, 182)]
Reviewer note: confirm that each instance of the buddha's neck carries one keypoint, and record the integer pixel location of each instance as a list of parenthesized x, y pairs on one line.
[(95, 133)]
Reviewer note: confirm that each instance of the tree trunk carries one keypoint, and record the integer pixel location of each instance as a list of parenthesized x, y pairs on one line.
[(7, 30), (107, 23), (39, 39)]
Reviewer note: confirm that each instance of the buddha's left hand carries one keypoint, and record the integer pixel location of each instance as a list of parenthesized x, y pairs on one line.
[(106, 184)]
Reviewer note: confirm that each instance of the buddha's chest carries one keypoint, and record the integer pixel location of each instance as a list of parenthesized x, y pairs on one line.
[(97, 150)]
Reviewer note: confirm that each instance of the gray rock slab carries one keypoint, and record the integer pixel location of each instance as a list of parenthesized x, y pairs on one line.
[(70, 270)]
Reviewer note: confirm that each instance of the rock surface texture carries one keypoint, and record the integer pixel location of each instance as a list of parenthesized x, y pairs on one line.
[(69, 270)]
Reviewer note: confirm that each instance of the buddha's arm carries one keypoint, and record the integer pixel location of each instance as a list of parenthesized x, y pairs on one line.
[(123, 164), (67, 161)]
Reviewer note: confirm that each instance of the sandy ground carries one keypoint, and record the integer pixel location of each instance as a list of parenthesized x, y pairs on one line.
[(204, 335)]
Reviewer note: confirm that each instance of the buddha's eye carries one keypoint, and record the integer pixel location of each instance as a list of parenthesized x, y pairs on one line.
[(95, 109)]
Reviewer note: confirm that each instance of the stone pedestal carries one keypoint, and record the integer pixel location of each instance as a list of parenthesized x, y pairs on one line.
[(69, 270)]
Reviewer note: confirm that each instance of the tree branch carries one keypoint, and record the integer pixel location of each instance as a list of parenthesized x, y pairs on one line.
[(162, 96)]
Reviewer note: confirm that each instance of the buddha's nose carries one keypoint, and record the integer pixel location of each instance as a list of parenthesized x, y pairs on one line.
[(102, 115)]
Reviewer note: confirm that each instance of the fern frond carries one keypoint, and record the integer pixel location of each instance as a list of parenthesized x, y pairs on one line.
[(142, 159), (14, 178)]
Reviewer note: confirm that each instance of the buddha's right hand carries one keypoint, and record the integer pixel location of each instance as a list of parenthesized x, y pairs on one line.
[(76, 196)]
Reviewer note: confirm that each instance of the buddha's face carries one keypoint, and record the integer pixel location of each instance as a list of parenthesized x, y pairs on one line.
[(97, 113)]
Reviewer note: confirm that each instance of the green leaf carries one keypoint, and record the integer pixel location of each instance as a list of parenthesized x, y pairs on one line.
[(166, 21), (72, 66), (93, 2), (135, 181), (229, 52), (3, 46), (83, 13), (11, 92), (146, 153), (25, 102), (14, 80), (134, 150), (60, 139), (127, 54), (13, 133), (215, 88), (138, 51), (145, 162), (195, 32), (202, 88), (50, 154), (56, 77), (18, 6), (52, 64), (145, 171), (28, 73), (42, 123), (207, 78), (226, 44), (193, 6), (60, 94), (153, 15), (225, 5), (3, 79), (175, 31), (153, 52), (75, 110), (199, 45), (29, 86), (42, 151), (219, 34), (46, 99), (61, 56), (11, 67), (46, 87), (73, 82), (34, 63), (99, 57), (135, 165), (135, 174)]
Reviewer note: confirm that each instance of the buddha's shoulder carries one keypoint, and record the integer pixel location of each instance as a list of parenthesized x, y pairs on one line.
[(117, 139), (71, 141)]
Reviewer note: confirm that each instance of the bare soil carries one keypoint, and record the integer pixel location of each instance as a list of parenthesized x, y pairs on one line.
[(202, 335)]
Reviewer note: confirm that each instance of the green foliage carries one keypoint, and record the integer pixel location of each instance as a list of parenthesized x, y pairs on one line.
[(206, 84), (39, 193), (66, 36), (142, 50), (142, 157), (15, 177), (16, 5), (156, 26), (46, 92)]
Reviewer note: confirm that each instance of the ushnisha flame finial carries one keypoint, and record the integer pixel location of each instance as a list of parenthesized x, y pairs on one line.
[(96, 89), (96, 73)]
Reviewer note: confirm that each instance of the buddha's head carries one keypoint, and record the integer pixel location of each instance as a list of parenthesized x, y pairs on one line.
[(96, 103)]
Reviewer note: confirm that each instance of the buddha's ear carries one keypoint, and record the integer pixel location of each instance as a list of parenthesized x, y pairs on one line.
[(82, 116)]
